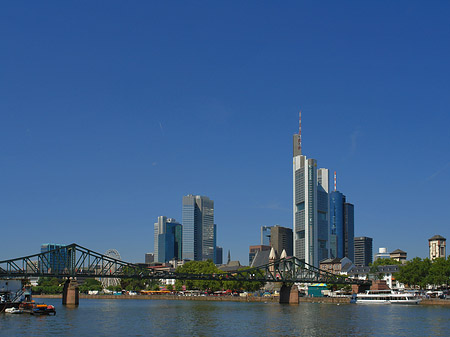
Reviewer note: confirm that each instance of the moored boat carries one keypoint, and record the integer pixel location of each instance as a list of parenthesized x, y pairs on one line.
[(386, 297), (37, 309)]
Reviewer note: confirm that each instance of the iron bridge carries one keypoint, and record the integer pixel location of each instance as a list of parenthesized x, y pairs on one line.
[(74, 261)]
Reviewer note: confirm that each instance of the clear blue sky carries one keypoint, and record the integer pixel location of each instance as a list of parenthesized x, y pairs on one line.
[(111, 111)]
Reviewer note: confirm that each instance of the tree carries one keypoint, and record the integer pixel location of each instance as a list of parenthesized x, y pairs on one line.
[(415, 272), (90, 284), (439, 272), (49, 285), (200, 267)]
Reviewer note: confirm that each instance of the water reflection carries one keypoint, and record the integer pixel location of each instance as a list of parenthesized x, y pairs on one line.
[(198, 318)]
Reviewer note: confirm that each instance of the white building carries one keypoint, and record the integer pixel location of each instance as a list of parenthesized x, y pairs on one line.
[(310, 207), (437, 247), (382, 254)]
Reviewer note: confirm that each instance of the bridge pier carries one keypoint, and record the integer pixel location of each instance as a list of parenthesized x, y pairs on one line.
[(70, 295), (289, 294)]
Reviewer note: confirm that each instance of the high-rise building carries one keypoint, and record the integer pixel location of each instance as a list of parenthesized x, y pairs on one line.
[(199, 230), (149, 258), (55, 260), (265, 235), (281, 239), (219, 255), (341, 226), (349, 231), (310, 207), (363, 251), (168, 240), (437, 247)]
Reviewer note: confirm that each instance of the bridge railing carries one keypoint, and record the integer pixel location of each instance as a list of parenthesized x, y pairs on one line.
[(76, 261)]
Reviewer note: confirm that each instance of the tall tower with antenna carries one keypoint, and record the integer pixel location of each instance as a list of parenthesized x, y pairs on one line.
[(310, 205)]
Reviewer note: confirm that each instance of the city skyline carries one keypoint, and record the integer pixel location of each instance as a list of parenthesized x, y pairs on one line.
[(97, 110)]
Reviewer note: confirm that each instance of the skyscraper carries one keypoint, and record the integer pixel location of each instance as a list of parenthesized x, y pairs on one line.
[(341, 226), (363, 251), (281, 239), (168, 240), (55, 260), (265, 235), (199, 230), (310, 207)]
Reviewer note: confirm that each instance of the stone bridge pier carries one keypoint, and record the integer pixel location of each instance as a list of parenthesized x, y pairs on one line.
[(70, 296), (289, 294)]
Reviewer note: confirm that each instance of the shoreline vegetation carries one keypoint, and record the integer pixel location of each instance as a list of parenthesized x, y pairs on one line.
[(268, 299)]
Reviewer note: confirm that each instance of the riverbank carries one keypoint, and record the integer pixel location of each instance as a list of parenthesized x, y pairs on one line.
[(274, 299)]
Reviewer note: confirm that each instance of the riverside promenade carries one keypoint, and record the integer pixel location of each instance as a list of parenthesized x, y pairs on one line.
[(274, 299)]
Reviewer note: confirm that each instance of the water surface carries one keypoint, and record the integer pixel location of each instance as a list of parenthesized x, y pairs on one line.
[(198, 318)]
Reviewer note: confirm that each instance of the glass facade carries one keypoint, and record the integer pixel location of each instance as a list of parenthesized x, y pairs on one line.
[(55, 260), (168, 240), (199, 230)]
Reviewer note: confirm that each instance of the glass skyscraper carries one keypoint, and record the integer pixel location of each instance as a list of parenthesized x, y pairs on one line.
[(199, 230), (310, 208), (55, 261), (342, 227), (168, 240)]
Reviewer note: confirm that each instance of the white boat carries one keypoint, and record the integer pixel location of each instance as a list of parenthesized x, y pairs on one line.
[(386, 297), (13, 311)]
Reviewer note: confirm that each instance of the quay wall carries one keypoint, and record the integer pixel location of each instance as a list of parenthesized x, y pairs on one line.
[(275, 299)]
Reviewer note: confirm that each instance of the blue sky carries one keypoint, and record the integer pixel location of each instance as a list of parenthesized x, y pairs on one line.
[(111, 111)]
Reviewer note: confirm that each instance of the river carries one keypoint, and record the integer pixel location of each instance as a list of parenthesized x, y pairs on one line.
[(96, 317)]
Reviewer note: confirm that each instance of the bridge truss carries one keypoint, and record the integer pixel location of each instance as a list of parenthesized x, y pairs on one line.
[(74, 261)]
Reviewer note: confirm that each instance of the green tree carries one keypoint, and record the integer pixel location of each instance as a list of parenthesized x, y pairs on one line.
[(439, 272), (49, 285), (199, 267), (90, 284), (415, 272)]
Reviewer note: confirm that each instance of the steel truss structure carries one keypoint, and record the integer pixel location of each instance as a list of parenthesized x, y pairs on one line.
[(74, 261)]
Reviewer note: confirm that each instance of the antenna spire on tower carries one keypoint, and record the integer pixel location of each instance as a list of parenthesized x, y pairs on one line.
[(300, 131), (335, 180)]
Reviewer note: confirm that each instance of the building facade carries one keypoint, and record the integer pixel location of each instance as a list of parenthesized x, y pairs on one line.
[(342, 227), (168, 240), (253, 250), (265, 235), (199, 230), (310, 207), (281, 238), (219, 255), (55, 260), (382, 254), (363, 251), (437, 247), (398, 255)]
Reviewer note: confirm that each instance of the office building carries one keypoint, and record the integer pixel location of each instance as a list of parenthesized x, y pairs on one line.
[(281, 239), (363, 251), (255, 249), (310, 207), (342, 226), (149, 258), (265, 235), (349, 231), (168, 240), (382, 254), (437, 247), (55, 260), (199, 230), (219, 255)]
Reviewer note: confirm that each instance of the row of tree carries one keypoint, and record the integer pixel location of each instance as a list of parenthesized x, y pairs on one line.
[(419, 272), (208, 267)]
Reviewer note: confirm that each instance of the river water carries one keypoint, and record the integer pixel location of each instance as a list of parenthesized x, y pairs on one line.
[(209, 318)]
